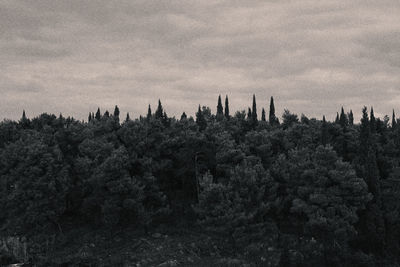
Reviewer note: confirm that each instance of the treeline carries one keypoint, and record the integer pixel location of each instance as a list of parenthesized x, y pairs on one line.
[(315, 192)]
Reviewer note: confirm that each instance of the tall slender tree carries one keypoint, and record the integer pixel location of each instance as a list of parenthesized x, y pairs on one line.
[(351, 118), (324, 131), (337, 120), (149, 114), (263, 115), (254, 118), (393, 120), (249, 114), (24, 120), (272, 118), (227, 107), (372, 121), (116, 113), (159, 112), (343, 118), (200, 120), (98, 114), (127, 117), (90, 117), (220, 109)]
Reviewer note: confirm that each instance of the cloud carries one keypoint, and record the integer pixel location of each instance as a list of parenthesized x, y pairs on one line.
[(312, 56)]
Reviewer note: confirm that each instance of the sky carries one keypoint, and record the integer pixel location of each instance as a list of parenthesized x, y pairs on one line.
[(313, 56)]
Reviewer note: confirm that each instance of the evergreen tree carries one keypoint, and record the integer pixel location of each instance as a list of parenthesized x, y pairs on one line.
[(343, 118), (183, 116), (227, 108), (200, 120), (324, 131), (98, 114), (149, 113), (90, 117), (220, 109), (127, 117), (272, 118), (116, 113), (351, 118), (24, 120), (372, 121), (337, 120), (393, 120), (263, 114), (254, 118), (159, 112), (249, 114), (107, 114)]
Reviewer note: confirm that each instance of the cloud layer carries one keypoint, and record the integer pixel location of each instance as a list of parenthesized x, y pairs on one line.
[(312, 56)]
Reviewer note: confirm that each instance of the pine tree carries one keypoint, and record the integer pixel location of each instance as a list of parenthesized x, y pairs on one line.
[(372, 121), (343, 118), (337, 120), (227, 108), (98, 114), (324, 131), (220, 109), (365, 131), (249, 114), (254, 118), (116, 113), (159, 112), (127, 117), (200, 120), (263, 114), (393, 120), (149, 113), (183, 116), (24, 120), (351, 118), (90, 117), (272, 118)]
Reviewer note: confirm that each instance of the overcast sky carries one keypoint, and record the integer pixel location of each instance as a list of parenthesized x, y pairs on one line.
[(313, 56)]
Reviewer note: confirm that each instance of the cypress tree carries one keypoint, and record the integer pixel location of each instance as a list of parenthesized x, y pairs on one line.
[(116, 112), (200, 120), (351, 118), (159, 112), (343, 118), (254, 118), (227, 108), (127, 117), (249, 114), (337, 120), (263, 114), (149, 113), (24, 120), (220, 109), (272, 118), (107, 114), (393, 120), (98, 114), (324, 131), (90, 117), (372, 121), (183, 116), (365, 132)]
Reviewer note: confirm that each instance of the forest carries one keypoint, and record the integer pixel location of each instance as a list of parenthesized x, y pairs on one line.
[(306, 191)]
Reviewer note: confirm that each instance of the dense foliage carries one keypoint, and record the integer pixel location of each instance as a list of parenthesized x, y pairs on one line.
[(319, 192)]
